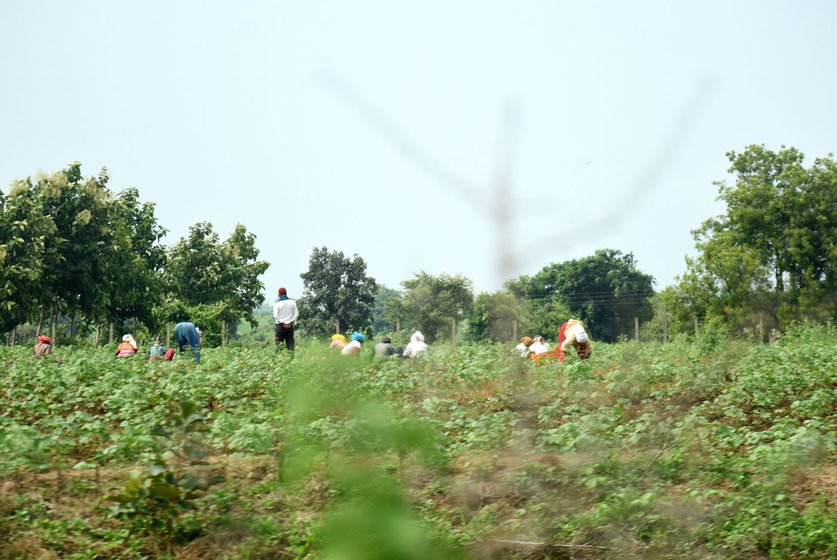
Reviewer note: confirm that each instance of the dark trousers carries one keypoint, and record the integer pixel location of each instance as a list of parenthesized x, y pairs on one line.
[(286, 335)]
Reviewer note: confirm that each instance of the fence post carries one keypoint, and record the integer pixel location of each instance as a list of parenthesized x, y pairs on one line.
[(453, 333), (514, 330), (168, 334), (110, 333), (636, 329), (398, 325)]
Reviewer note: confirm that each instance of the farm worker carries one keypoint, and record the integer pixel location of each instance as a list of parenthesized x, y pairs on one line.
[(385, 348), (572, 333), (188, 334), (156, 350), (337, 341), (353, 347), (285, 314), (523, 347), (538, 349), (128, 347), (417, 347), (43, 347)]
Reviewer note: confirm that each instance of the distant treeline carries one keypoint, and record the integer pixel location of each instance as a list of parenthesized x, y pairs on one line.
[(71, 248)]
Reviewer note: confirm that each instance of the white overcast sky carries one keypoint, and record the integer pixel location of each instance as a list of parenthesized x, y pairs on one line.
[(224, 112)]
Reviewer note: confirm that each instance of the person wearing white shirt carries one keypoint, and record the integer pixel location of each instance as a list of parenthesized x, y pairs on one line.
[(285, 314)]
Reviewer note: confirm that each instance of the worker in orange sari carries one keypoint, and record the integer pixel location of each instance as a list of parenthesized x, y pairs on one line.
[(128, 347), (572, 333)]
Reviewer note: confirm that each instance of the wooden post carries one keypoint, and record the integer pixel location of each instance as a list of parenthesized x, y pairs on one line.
[(52, 324), (761, 329), (96, 338), (514, 330), (398, 324), (168, 334), (636, 329), (40, 320), (665, 324), (110, 334), (453, 332), (337, 326), (223, 333)]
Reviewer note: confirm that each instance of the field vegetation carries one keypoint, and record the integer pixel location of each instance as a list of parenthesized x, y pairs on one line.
[(706, 447)]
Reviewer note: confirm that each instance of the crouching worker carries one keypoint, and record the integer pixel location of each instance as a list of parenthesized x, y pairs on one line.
[(572, 333), (538, 349), (417, 348), (188, 334), (43, 347), (159, 352), (128, 347), (337, 341), (385, 349), (353, 348)]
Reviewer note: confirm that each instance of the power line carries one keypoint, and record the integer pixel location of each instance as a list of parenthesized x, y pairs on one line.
[(500, 208)]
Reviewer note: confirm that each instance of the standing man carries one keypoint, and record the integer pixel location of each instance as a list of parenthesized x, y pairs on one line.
[(188, 333), (285, 314)]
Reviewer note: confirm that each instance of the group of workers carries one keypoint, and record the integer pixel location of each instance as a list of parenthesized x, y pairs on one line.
[(286, 313), (571, 335), (417, 347), (185, 335)]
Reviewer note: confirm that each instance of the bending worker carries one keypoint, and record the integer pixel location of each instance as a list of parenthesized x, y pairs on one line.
[(188, 334), (572, 333)]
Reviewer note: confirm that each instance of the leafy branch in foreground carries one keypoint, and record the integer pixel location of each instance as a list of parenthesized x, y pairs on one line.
[(156, 497)]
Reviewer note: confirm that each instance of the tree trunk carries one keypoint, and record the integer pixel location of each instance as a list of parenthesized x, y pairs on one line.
[(53, 320), (40, 320)]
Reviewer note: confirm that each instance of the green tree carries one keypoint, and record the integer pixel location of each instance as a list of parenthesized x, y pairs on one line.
[(23, 232), (770, 259), (493, 317), (135, 261), (383, 320), (337, 293), (431, 302), (211, 281), (75, 280), (606, 291)]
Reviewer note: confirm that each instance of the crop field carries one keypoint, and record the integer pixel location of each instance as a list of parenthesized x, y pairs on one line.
[(705, 447)]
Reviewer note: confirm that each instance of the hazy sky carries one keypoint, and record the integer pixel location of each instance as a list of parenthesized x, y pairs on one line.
[(238, 112)]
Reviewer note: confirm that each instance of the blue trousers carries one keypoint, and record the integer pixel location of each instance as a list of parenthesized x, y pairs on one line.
[(186, 333)]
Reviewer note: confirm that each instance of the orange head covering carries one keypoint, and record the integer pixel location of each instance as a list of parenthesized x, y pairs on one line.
[(44, 339), (526, 341)]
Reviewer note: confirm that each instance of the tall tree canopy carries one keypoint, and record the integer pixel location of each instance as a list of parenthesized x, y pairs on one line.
[(771, 257), (429, 303), (70, 245), (493, 316), (337, 293), (217, 281), (606, 291)]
